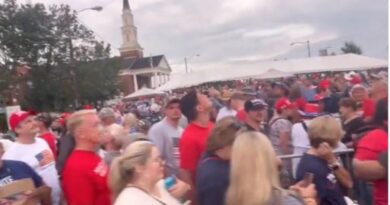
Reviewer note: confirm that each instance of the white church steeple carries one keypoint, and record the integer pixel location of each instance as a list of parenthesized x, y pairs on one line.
[(130, 47)]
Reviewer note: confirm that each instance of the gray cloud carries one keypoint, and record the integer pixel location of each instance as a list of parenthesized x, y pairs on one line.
[(235, 32)]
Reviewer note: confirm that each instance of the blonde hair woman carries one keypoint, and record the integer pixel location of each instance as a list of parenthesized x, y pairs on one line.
[(254, 175), (130, 123), (118, 139), (136, 177), (324, 135)]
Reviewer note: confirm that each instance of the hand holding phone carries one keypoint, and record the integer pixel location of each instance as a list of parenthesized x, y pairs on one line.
[(169, 182)]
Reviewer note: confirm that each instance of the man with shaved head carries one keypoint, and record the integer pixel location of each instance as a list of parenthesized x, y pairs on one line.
[(85, 173)]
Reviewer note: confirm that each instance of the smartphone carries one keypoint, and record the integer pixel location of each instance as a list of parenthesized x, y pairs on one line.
[(169, 182), (308, 179)]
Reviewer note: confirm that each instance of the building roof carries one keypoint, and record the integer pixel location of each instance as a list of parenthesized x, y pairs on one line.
[(142, 63)]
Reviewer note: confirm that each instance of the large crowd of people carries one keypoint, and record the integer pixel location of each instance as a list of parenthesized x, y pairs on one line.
[(256, 142)]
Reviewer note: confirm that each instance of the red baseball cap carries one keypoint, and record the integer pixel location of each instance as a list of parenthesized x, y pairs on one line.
[(63, 117), (87, 107), (283, 103), (324, 84), (355, 80), (17, 117)]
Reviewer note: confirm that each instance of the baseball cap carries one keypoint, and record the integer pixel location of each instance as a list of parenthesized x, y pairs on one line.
[(309, 115), (349, 76), (355, 80), (283, 103), (255, 104), (324, 84), (279, 85), (63, 117), (17, 117), (87, 107)]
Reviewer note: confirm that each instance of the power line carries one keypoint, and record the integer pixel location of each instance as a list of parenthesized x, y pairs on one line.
[(94, 32), (89, 28)]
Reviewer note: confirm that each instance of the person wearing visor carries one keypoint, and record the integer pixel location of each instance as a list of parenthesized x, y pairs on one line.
[(255, 111)]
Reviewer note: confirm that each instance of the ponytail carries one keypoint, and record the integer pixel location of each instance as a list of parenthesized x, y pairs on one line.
[(118, 178), (123, 167)]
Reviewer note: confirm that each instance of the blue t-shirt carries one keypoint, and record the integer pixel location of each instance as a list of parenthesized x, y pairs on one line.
[(212, 180), (15, 170), (328, 189), (308, 94)]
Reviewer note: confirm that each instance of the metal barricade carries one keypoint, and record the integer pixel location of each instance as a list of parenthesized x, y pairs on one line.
[(345, 153)]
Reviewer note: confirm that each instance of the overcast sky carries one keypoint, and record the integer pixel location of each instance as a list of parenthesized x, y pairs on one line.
[(236, 33)]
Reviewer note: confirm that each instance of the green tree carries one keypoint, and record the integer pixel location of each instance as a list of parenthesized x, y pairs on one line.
[(68, 65), (351, 47)]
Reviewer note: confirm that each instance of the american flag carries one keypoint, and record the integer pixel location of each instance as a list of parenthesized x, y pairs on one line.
[(45, 158)]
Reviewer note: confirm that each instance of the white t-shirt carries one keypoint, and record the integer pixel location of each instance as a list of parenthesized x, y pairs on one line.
[(299, 135), (226, 112), (6, 143), (40, 158), (300, 138), (134, 195)]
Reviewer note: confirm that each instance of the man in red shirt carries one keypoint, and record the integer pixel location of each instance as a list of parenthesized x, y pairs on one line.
[(43, 123), (84, 177), (197, 108), (369, 148)]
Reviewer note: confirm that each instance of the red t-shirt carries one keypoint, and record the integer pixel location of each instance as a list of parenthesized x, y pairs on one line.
[(369, 148), (241, 115), (368, 108), (51, 141), (192, 144), (84, 179)]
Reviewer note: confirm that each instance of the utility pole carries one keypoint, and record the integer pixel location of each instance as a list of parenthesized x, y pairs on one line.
[(185, 62), (307, 45), (308, 49)]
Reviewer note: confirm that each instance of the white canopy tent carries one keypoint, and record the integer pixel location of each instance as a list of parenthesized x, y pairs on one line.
[(337, 63), (216, 75), (143, 92), (276, 69)]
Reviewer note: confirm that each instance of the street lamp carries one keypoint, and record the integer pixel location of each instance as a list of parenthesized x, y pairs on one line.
[(95, 8), (303, 42), (72, 68), (188, 58)]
